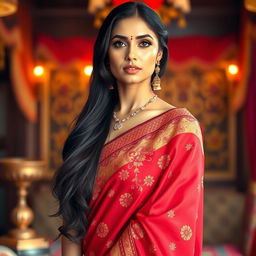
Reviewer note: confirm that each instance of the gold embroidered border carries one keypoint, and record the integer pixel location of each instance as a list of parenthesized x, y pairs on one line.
[(161, 136), (125, 246), (153, 124)]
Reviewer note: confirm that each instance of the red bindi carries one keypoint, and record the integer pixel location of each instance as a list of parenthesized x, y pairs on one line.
[(131, 37)]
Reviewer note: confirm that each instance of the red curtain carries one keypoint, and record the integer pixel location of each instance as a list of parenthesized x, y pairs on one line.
[(154, 4), (250, 114), (204, 49)]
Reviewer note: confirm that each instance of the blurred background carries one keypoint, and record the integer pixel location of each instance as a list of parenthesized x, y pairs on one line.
[(46, 49)]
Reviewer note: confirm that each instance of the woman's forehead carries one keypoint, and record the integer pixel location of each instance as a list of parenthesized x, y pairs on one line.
[(132, 26)]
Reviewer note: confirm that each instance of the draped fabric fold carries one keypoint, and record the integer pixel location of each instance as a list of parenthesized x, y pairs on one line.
[(148, 196)]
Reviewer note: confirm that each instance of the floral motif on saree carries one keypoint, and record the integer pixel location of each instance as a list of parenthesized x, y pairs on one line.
[(148, 195)]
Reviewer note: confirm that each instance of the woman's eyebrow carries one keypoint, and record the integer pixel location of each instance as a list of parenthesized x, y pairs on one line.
[(126, 38), (143, 36)]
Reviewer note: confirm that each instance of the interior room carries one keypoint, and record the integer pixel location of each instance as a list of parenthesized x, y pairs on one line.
[(46, 60)]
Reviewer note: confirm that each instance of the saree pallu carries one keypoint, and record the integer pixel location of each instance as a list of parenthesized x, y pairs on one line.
[(148, 195)]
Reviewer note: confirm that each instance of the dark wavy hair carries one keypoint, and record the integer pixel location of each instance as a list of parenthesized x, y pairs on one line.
[(74, 180)]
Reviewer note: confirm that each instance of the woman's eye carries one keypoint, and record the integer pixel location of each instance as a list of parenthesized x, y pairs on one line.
[(118, 44), (145, 44)]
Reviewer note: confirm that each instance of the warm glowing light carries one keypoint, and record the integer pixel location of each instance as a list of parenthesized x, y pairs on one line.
[(38, 71), (233, 69), (88, 70)]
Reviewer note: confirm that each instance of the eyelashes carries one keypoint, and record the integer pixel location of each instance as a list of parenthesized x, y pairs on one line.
[(142, 44), (118, 44), (145, 43)]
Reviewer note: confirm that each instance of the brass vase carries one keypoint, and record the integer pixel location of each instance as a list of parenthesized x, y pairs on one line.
[(22, 172)]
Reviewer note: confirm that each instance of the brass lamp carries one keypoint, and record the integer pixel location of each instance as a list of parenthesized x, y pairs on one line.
[(250, 5), (23, 173), (8, 7)]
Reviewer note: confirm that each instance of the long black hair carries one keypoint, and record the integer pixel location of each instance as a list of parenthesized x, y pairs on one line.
[(74, 180)]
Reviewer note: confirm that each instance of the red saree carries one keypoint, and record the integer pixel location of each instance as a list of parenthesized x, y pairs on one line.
[(148, 195)]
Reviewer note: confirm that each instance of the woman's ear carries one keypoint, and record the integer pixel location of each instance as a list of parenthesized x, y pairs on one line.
[(159, 55)]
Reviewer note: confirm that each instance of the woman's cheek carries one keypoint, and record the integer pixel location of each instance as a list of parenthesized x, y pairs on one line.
[(149, 55), (150, 60)]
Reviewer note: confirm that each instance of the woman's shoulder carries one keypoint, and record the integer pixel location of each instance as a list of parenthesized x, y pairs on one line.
[(181, 112), (181, 120), (177, 119), (176, 113), (186, 126)]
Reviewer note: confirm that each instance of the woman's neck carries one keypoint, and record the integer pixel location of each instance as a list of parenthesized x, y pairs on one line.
[(131, 97)]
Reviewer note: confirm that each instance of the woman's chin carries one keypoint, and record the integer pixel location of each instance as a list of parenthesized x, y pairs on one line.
[(134, 81)]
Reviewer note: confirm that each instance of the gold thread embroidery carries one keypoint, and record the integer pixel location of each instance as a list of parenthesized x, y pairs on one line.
[(163, 161), (102, 230), (135, 159), (126, 244), (172, 246), (188, 147), (153, 249), (171, 214), (149, 180), (137, 231), (156, 124), (115, 250), (125, 199), (111, 193), (123, 175), (186, 232), (118, 157)]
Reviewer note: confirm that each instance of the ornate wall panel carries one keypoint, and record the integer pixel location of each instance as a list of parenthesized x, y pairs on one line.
[(64, 97), (205, 93)]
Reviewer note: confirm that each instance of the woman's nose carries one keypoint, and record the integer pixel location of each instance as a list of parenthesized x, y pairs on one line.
[(131, 53)]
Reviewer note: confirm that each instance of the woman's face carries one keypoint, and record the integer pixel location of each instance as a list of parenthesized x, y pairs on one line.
[(133, 51)]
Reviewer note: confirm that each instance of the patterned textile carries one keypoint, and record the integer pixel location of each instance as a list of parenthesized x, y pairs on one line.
[(148, 195), (223, 216), (221, 250)]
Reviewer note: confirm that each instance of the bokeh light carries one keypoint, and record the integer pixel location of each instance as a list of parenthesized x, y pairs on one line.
[(88, 70), (38, 71)]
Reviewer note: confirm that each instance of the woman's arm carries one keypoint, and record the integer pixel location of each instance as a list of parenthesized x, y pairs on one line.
[(69, 248)]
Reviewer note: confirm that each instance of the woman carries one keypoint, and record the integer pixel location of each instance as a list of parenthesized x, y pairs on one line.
[(131, 181)]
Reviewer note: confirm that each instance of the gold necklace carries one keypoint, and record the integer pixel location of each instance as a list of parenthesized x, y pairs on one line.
[(118, 122)]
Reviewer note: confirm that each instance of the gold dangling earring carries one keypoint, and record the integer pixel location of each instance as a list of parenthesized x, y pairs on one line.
[(111, 87), (156, 81)]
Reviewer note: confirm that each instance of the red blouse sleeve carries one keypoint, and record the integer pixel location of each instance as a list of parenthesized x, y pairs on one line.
[(170, 222)]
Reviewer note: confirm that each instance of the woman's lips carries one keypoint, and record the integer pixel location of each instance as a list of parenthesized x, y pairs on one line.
[(131, 69)]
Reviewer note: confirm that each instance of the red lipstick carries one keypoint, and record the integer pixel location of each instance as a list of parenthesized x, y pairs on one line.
[(131, 69)]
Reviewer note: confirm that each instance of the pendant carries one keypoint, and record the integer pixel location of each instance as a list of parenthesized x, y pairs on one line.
[(117, 126)]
